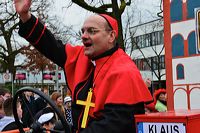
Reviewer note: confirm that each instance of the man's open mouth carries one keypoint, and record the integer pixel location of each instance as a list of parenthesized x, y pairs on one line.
[(87, 44)]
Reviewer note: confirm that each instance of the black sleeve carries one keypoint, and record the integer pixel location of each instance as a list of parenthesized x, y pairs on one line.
[(43, 40), (116, 119), (10, 126), (40, 104)]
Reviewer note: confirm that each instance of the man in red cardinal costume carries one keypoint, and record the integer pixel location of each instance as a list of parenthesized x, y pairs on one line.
[(107, 88)]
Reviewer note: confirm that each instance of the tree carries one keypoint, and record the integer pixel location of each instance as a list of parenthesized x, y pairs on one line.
[(10, 46), (113, 8), (160, 13), (10, 43), (35, 60), (132, 45), (151, 39), (129, 47), (8, 25)]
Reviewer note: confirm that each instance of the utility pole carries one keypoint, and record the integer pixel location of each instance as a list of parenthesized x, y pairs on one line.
[(9, 77), (56, 78)]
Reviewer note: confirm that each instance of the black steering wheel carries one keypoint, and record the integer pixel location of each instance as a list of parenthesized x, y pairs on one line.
[(36, 125)]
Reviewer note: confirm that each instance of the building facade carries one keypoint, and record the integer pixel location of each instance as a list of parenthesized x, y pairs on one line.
[(35, 79), (181, 22), (148, 51)]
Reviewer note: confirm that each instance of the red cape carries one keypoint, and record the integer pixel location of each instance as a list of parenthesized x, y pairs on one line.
[(117, 79)]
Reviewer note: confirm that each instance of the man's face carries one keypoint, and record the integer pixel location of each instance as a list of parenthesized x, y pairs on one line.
[(28, 93), (68, 105), (45, 91), (97, 37), (6, 96)]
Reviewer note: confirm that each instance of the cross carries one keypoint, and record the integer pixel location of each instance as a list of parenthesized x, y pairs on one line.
[(87, 105)]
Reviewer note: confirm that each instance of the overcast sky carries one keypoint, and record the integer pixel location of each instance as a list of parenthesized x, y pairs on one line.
[(76, 15)]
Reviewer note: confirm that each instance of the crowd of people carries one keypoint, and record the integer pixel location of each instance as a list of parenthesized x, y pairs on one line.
[(32, 106), (45, 114)]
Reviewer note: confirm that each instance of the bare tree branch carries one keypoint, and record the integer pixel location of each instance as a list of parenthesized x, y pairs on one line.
[(160, 14), (86, 6), (8, 27)]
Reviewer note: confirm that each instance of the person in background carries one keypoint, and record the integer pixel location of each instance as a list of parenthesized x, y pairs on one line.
[(57, 98), (47, 120), (4, 94), (29, 108), (98, 71), (8, 121), (160, 97), (45, 90), (150, 106), (68, 110), (40, 102)]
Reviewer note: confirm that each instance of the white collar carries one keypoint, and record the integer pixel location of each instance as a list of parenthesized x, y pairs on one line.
[(93, 62)]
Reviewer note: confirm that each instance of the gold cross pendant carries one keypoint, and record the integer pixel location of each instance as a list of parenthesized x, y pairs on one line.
[(87, 105)]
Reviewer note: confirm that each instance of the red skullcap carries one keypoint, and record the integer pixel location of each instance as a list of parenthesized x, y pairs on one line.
[(112, 22)]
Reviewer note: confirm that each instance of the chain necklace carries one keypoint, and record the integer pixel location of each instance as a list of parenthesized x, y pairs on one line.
[(99, 71)]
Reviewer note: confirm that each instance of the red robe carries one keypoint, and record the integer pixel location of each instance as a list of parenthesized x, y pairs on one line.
[(118, 81), (119, 90)]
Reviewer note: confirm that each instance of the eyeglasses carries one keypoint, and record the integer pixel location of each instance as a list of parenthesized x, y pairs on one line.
[(92, 31)]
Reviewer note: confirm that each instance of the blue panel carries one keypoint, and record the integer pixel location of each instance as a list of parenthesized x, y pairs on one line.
[(191, 5), (140, 127), (177, 46), (176, 10), (192, 44), (180, 71)]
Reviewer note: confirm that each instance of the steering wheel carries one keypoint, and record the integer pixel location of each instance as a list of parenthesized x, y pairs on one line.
[(36, 125)]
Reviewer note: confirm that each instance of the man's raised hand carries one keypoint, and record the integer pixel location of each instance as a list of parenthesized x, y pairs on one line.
[(22, 8)]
